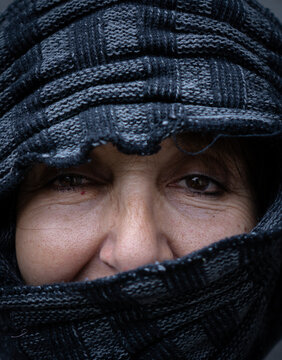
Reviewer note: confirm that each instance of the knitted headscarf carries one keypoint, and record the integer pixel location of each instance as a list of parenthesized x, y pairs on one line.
[(75, 74)]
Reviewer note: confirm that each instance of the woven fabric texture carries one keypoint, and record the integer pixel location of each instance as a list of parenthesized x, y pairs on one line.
[(133, 73), (75, 74)]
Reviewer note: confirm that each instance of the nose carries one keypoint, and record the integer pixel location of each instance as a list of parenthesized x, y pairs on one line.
[(136, 238)]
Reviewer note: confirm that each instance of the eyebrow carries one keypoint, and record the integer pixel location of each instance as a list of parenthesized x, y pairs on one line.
[(221, 150), (216, 155), (210, 160), (196, 142), (219, 154)]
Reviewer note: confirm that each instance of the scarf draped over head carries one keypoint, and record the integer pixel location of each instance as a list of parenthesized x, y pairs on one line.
[(75, 74)]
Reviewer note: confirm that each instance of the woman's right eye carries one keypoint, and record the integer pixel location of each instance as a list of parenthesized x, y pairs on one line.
[(69, 182)]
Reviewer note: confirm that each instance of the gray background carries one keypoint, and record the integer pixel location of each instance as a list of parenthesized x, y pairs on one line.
[(276, 7)]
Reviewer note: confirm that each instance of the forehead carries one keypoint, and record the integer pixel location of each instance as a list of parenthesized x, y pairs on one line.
[(182, 146), (173, 154)]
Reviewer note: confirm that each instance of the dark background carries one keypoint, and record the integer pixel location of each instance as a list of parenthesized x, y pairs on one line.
[(276, 7)]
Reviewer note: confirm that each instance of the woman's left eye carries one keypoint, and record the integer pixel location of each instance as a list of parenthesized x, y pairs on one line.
[(201, 185)]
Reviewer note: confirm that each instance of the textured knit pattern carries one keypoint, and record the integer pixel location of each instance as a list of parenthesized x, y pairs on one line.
[(75, 74), (220, 303), (132, 72)]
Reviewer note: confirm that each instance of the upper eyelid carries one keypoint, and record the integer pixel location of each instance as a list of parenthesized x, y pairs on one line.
[(71, 175), (90, 178), (213, 173), (94, 175)]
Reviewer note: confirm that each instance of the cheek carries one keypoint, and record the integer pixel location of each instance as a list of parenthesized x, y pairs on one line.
[(196, 225), (54, 242)]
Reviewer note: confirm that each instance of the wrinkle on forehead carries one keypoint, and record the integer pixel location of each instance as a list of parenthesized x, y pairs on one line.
[(104, 158)]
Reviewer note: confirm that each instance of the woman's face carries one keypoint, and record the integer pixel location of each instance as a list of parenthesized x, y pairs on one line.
[(120, 211)]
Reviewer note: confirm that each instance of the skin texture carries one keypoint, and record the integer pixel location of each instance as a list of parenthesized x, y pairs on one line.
[(119, 212)]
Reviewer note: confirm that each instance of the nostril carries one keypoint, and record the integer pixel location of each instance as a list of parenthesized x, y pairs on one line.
[(135, 237), (123, 251), (106, 252)]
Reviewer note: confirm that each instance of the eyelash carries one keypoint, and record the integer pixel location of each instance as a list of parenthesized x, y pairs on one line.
[(63, 177), (196, 177), (219, 187)]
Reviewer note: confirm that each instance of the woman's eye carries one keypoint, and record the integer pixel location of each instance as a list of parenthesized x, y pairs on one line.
[(70, 181), (201, 184)]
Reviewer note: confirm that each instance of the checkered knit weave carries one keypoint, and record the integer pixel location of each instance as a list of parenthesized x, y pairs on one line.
[(75, 74)]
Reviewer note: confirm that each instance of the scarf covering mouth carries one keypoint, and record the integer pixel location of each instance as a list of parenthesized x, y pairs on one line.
[(75, 74), (221, 302)]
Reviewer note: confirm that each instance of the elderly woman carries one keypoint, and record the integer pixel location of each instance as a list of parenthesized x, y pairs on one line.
[(140, 178)]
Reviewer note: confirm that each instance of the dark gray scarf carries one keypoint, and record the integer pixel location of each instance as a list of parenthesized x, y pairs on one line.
[(75, 74)]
